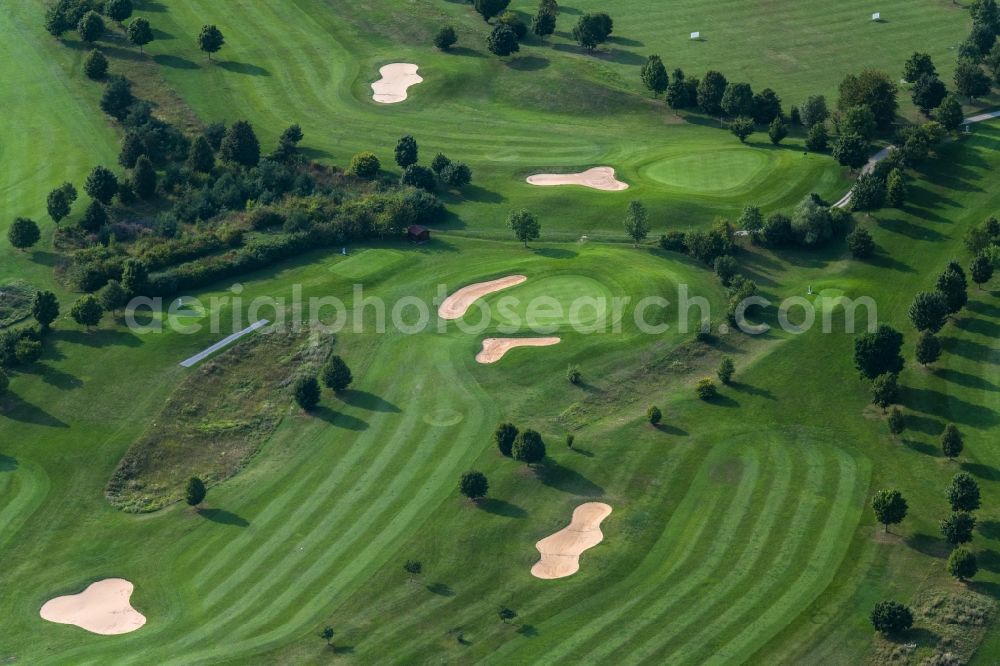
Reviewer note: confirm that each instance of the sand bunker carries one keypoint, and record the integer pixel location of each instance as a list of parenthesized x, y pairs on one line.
[(103, 608), (561, 551), (455, 306), (494, 348), (396, 78), (598, 178)]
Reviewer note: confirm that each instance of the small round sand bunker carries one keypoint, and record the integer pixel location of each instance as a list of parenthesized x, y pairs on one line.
[(396, 78), (598, 178), (561, 551), (456, 305), (102, 608), (495, 348)]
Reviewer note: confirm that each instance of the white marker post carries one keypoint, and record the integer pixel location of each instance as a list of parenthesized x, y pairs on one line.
[(695, 35), (877, 16)]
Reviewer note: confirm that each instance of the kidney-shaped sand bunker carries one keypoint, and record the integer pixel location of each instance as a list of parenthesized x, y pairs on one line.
[(102, 608)]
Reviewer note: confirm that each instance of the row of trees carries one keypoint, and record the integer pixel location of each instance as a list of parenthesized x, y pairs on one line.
[(442, 170), (335, 375)]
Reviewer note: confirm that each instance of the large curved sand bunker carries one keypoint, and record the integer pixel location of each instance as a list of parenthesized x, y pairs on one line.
[(396, 78), (598, 178), (103, 608), (561, 551), (495, 348), (456, 305)]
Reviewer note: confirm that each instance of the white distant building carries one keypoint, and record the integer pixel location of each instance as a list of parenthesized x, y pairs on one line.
[(695, 35)]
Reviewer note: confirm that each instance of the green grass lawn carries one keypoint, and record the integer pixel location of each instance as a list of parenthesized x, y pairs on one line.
[(741, 529)]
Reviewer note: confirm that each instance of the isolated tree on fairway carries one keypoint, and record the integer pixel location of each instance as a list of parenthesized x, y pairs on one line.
[(891, 617), (890, 507), (139, 33), (240, 145), (23, 233), (44, 308), (860, 243), (365, 165), (135, 277), (777, 130), (726, 370), (949, 114), (636, 222), (928, 348), (95, 65), (963, 493), (474, 485), (306, 391), (195, 493), (87, 311), (818, 138), (528, 447), (327, 635), (101, 185), (885, 388), (971, 80), (592, 29), (118, 10), (951, 441), (413, 568), (928, 93), (654, 415), (928, 311), (957, 528), (90, 27), (742, 128), (897, 423), (877, 353), (543, 23), (851, 150), (710, 92), (490, 8), (503, 41), (962, 564), (456, 174), (406, 151), (981, 270), (654, 75), (953, 285), (144, 178), (525, 225), (917, 65), (336, 374), (112, 296), (59, 203), (445, 38), (504, 437), (201, 159), (507, 615), (210, 40), (94, 217), (705, 389)]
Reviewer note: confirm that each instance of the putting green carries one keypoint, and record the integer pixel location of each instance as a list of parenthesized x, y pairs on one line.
[(366, 263), (710, 171), (552, 303)]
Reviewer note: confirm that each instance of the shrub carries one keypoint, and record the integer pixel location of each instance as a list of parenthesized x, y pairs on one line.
[(528, 447), (573, 374), (306, 392), (336, 374), (962, 564), (654, 415), (726, 369), (473, 485), (445, 38), (860, 243), (365, 165), (706, 389), (95, 66), (891, 617), (504, 437)]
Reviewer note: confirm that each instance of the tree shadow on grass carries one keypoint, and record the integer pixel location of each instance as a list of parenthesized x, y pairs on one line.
[(723, 401), (7, 463), (924, 424), (556, 476), (983, 327), (175, 62), (968, 349), (149, 6), (466, 52), (343, 649), (921, 447), (224, 517), (368, 401), (983, 308), (982, 471), (478, 194), (45, 258), (583, 452), (499, 507), (339, 419), (908, 229), (945, 406), (756, 391), (555, 253), (243, 68), (989, 559), (929, 545), (883, 260), (57, 378), (989, 528), (528, 63), (441, 589), (967, 380), (669, 429), (97, 338), (162, 35), (17, 409), (528, 631)]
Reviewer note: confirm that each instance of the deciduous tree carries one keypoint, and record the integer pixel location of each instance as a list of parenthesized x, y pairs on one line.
[(195, 493), (44, 308), (636, 222), (928, 311), (210, 40), (336, 375), (95, 65), (504, 437), (445, 38), (877, 353), (964, 494), (474, 485), (140, 33), (503, 41), (891, 617), (87, 311), (890, 507), (306, 392), (528, 447), (23, 233), (525, 225), (654, 75), (951, 441), (962, 564), (957, 528)]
